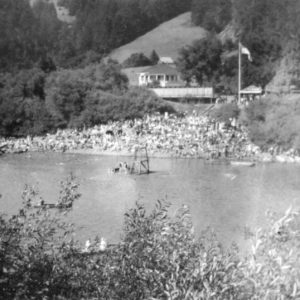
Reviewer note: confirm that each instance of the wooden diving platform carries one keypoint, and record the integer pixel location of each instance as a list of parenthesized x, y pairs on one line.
[(140, 164)]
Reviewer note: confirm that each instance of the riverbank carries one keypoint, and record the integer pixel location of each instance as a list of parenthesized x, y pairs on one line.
[(263, 157), (164, 136)]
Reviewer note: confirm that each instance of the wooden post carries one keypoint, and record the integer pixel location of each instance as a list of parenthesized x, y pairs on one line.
[(239, 74), (148, 170)]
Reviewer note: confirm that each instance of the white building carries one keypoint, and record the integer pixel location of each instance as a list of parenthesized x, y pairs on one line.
[(160, 75), (166, 60)]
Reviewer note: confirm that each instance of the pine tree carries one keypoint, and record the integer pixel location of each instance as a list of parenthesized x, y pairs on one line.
[(154, 57)]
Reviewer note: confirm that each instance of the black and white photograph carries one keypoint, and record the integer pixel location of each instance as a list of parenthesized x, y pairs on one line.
[(149, 149)]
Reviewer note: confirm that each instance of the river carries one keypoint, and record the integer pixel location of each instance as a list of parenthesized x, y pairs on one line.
[(224, 197)]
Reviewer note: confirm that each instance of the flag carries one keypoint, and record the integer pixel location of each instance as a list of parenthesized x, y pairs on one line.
[(244, 50)]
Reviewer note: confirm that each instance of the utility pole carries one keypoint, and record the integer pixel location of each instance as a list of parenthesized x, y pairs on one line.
[(239, 74)]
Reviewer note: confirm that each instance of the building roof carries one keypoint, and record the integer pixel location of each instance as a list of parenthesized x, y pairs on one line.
[(166, 60), (161, 69), (252, 89)]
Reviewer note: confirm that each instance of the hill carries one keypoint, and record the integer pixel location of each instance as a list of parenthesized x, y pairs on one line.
[(166, 39)]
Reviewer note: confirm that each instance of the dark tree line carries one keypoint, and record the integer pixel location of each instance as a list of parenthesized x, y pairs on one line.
[(102, 25), (29, 34)]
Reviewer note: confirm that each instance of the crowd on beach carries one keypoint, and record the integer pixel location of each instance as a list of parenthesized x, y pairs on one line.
[(196, 136)]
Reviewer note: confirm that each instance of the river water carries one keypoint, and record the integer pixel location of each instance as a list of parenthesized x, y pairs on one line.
[(224, 197)]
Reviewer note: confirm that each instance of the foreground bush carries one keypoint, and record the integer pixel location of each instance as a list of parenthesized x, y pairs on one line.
[(272, 270), (34, 245), (158, 257)]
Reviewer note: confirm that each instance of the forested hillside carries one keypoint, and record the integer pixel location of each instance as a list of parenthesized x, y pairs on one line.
[(27, 33), (268, 28), (104, 25)]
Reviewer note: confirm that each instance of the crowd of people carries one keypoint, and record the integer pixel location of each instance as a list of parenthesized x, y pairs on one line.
[(163, 135)]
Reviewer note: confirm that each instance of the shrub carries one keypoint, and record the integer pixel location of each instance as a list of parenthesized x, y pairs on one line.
[(34, 103), (225, 112), (158, 257), (137, 60), (135, 103), (33, 246), (273, 267), (273, 121), (97, 95)]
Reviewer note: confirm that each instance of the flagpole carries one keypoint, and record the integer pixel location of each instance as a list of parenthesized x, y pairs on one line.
[(239, 74)]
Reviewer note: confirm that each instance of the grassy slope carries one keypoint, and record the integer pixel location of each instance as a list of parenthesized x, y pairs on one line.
[(166, 39)]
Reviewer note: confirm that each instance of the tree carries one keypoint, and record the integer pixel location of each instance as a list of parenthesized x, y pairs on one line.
[(137, 60), (48, 26), (225, 112), (154, 57), (213, 15), (110, 78), (18, 38), (265, 28), (27, 33), (66, 100), (228, 82), (22, 105), (47, 64), (201, 60)]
